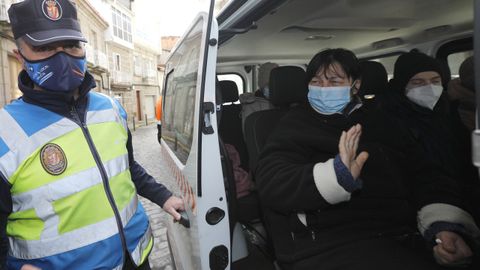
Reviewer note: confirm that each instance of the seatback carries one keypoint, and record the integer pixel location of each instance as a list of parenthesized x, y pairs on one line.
[(288, 87), (374, 79), (230, 128)]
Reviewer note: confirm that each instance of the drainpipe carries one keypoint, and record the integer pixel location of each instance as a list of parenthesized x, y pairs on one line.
[(2, 72)]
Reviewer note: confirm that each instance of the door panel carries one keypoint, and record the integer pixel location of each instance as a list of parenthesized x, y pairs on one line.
[(193, 154)]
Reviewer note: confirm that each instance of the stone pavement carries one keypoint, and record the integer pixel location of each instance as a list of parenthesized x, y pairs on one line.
[(147, 154)]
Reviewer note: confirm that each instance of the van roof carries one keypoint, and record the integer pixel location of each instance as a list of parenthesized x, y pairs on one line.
[(297, 29)]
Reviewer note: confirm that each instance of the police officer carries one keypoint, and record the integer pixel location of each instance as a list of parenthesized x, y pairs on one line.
[(68, 179)]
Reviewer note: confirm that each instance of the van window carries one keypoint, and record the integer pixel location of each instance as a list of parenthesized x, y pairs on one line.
[(178, 118), (388, 62), (455, 60), (235, 78)]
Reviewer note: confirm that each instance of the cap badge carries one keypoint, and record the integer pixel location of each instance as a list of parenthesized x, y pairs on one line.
[(52, 9), (53, 159)]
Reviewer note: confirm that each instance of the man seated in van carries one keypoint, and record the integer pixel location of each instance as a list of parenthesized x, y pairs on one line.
[(260, 99), (462, 91), (343, 188), (417, 99)]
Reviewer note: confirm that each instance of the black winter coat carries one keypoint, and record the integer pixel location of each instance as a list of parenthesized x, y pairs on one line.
[(396, 182), (444, 139)]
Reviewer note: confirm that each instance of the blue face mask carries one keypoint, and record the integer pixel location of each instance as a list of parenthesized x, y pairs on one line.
[(59, 73), (328, 100)]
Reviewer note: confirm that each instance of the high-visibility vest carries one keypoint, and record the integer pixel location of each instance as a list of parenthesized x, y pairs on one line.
[(71, 188)]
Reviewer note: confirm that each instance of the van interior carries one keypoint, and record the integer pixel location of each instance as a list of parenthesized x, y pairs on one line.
[(289, 33)]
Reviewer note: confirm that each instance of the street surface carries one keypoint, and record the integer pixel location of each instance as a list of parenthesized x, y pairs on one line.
[(147, 154)]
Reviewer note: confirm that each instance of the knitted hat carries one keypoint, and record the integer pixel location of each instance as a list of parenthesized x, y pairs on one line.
[(264, 73), (466, 73), (411, 63)]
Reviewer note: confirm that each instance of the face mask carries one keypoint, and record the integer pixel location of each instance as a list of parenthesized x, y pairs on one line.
[(266, 92), (426, 95), (58, 73), (328, 100)]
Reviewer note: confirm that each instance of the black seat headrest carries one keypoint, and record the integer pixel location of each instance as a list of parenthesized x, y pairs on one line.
[(229, 91), (374, 78), (287, 85)]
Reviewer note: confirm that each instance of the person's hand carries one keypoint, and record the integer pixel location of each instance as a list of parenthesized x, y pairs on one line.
[(29, 267), (451, 249), (348, 146), (173, 205)]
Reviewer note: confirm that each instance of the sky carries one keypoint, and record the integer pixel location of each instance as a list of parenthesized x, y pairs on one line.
[(168, 17)]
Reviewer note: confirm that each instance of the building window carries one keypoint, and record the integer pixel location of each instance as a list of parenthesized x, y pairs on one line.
[(116, 61), (125, 3), (122, 27), (137, 62), (119, 98), (94, 39)]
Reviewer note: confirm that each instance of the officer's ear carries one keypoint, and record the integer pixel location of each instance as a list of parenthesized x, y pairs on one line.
[(16, 51), (18, 56)]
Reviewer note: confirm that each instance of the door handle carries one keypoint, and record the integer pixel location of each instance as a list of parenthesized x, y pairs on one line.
[(208, 108), (184, 220)]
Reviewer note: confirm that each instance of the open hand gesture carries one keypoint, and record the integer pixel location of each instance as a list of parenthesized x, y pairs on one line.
[(348, 146)]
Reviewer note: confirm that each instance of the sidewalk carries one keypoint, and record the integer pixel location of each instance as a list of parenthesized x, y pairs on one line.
[(147, 153)]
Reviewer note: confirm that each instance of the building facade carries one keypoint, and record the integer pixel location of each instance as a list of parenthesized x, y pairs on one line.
[(10, 66), (93, 27), (122, 61)]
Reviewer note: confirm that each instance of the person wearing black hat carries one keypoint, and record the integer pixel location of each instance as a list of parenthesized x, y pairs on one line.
[(416, 99), (461, 91), (68, 178)]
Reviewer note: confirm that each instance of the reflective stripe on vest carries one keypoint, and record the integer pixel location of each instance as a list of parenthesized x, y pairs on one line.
[(57, 214)]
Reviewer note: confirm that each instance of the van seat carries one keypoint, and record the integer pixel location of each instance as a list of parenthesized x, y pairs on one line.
[(288, 87), (374, 79), (230, 128)]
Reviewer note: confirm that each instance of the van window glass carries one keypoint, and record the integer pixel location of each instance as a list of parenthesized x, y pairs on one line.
[(235, 78), (455, 60), (388, 62), (178, 118)]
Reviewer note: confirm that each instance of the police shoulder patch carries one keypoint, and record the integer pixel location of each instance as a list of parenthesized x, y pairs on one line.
[(53, 159)]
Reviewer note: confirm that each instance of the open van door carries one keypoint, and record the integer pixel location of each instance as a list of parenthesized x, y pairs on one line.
[(189, 124), (476, 53)]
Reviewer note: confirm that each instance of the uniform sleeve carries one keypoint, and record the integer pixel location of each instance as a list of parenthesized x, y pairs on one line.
[(145, 184), (5, 210)]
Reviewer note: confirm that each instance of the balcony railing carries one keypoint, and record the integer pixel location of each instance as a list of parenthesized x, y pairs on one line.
[(102, 60), (96, 58), (90, 51), (121, 77)]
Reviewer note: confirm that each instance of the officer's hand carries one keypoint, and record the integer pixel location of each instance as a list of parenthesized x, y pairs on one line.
[(348, 146), (451, 249), (29, 267), (173, 205)]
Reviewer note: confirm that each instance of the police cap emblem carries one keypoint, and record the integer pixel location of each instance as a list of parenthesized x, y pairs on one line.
[(52, 9), (53, 159)]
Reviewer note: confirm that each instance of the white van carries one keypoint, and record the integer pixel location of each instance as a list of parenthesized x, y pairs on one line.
[(231, 47)]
